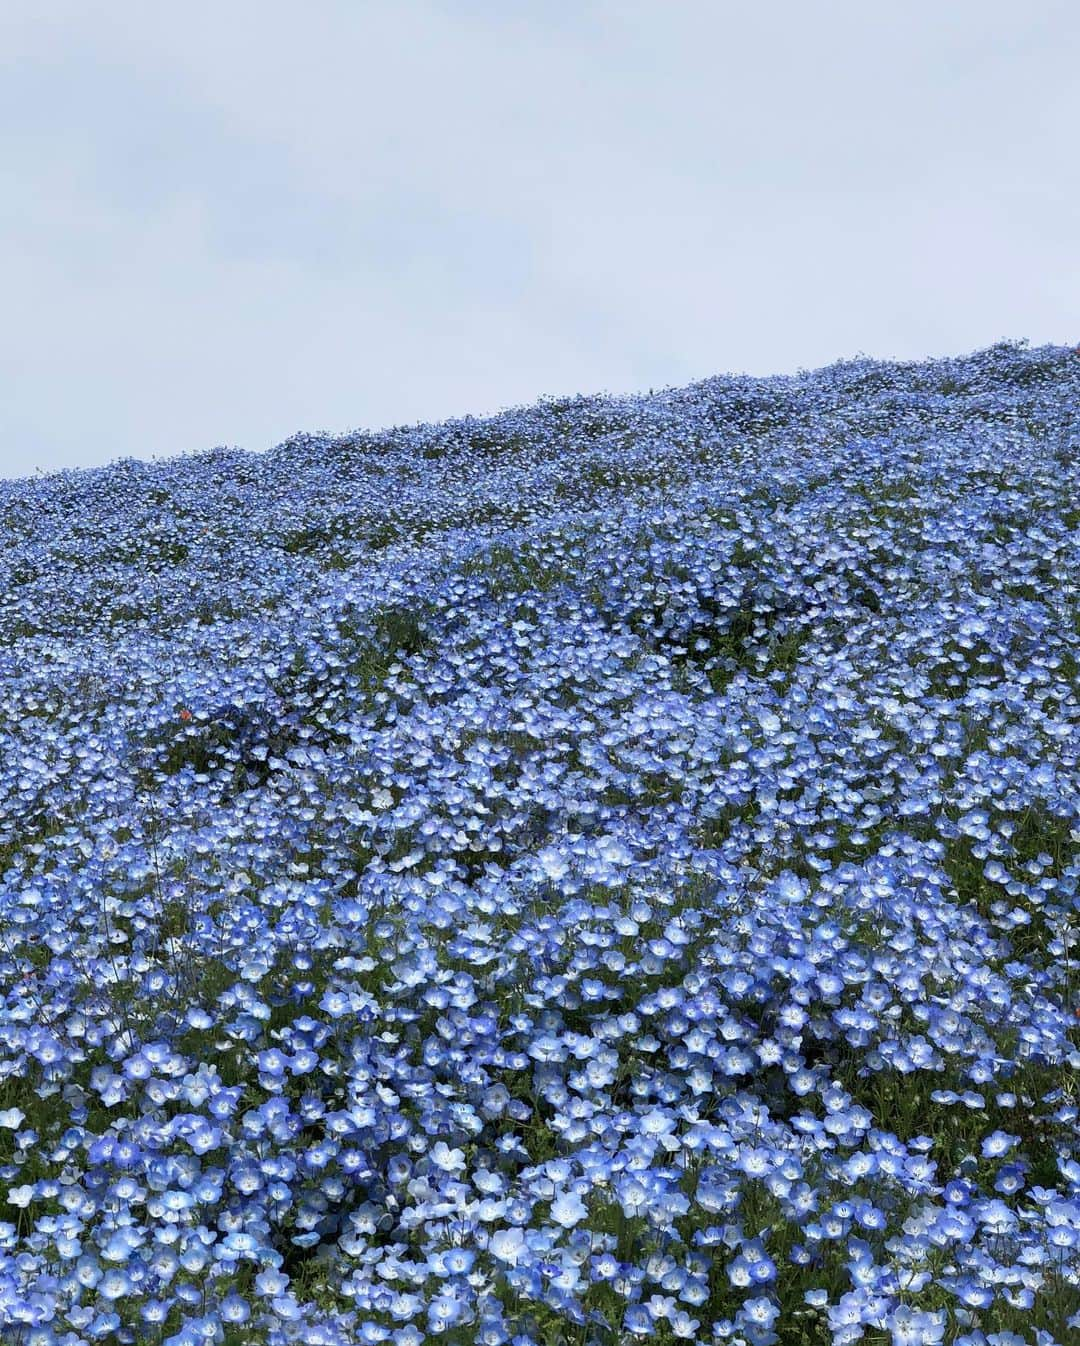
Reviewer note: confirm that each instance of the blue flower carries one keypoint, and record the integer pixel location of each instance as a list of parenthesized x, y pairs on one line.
[(996, 1144)]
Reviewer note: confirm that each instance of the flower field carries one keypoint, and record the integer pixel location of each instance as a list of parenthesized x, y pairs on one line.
[(604, 873)]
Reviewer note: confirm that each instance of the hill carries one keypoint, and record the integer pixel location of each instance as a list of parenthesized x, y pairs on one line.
[(607, 871)]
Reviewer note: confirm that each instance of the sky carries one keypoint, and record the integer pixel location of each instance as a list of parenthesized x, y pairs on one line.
[(222, 223)]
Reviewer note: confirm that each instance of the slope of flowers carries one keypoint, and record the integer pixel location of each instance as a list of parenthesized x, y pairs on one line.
[(604, 873)]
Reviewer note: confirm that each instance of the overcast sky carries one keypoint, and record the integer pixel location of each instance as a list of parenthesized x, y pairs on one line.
[(225, 222)]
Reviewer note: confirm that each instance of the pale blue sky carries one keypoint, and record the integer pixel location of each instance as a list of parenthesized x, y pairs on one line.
[(225, 222)]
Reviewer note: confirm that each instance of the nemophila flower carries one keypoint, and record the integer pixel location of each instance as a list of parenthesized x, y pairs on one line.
[(759, 1312), (447, 1159), (637, 1321), (154, 1312), (915, 1327), (271, 1282), (114, 1284), (508, 1245), (997, 1144), (568, 1209), (234, 1309)]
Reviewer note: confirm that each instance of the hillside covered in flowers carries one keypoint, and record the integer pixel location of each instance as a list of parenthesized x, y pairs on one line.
[(603, 873)]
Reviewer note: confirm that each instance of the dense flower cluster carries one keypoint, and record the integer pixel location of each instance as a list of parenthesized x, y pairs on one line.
[(607, 872)]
